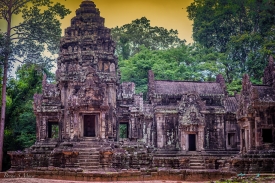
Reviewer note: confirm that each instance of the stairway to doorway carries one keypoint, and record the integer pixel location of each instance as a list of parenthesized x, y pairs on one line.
[(89, 157), (196, 162)]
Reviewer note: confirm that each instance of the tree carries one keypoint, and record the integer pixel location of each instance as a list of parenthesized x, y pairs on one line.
[(38, 31), (186, 62), (239, 29), (20, 128), (130, 37)]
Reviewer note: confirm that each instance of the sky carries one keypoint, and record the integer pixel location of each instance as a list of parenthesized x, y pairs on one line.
[(170, 14)]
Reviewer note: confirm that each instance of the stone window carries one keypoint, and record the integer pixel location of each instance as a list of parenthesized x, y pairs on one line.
[(123, 130), (53, 130), (267, 135)]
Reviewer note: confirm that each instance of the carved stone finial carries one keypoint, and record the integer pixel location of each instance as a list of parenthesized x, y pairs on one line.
[(246, 84), (44, 82), (270, 60), (221, 81)]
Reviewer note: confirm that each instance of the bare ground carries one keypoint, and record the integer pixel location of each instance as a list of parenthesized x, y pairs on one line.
[(35, 180)]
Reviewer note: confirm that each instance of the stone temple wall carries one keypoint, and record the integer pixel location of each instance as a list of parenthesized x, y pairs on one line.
[(89, 121)]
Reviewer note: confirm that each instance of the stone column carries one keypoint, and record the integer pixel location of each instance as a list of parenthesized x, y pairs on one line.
[(200, 138), (43, 129), (102, 129)]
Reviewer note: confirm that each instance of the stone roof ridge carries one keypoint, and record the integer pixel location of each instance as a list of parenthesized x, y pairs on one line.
[(181, 87), (189, 81)]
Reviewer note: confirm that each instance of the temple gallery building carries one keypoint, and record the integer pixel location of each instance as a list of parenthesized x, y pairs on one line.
[(88, 114)]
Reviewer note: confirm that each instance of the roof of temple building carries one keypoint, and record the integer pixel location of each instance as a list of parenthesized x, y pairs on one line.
[(265, 93), (231, 104), (183, 87)]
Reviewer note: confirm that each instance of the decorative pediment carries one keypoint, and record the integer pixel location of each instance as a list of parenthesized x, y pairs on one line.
[(190, 109), (88, 93), (189, 128)]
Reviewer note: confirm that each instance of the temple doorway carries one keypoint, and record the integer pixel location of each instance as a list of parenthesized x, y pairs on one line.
[(53, 129), (123, 130), (89, 125), (192, 142)]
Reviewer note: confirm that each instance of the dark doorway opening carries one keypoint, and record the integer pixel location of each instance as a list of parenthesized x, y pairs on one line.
[(192, 142), (89, 125), (123, 130), (231, 139), (267, 135), (243, 138), (53, 130)]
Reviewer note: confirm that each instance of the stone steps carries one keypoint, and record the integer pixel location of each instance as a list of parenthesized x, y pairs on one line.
[(88, 158), (196, 162), (90, 168), (93, 155), (87, 161), (88, 150)]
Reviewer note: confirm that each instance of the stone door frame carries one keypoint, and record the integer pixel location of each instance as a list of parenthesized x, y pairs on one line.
[(97, 122)]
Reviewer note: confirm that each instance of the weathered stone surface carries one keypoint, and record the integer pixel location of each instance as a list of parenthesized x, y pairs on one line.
[(181, 125)]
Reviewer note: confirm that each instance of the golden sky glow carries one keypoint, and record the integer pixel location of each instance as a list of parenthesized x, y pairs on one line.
[(170, 14)]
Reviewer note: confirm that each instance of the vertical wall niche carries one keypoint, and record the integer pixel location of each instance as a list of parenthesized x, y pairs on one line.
[(267, 136), (53, 130), (123, 130)]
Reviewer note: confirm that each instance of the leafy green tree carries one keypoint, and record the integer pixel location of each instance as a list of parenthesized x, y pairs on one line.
[(130, 37), (20, 130), (38, 31), (240, 29), (187, 62)]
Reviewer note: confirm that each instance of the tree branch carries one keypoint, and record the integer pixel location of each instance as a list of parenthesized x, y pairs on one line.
[(4, 2), (16, 60), (20, 25), (18, 4)]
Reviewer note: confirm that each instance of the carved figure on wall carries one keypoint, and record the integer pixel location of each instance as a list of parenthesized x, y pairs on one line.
[(70, 49), (112, 67), (193, 116)]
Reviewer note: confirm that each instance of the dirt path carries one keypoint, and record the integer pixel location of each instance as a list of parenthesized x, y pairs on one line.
[(35, 180)]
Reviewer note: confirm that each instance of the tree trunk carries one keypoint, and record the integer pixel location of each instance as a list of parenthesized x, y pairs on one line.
[(4, 86)]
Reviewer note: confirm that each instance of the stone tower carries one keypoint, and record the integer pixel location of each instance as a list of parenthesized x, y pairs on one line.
[(85, 100)]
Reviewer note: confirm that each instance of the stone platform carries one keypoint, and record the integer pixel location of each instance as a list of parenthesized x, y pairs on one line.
[(127, 175)]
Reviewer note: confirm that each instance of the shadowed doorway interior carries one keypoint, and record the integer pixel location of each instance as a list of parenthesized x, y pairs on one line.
[(89, 125), (192, 142)]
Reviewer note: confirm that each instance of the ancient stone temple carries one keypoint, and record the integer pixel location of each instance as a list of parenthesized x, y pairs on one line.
[(256, 113), (83, 101), (89, 121), (193, 116)]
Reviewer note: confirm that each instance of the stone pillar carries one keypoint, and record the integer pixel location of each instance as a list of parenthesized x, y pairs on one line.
[(38, 125), (160, 132), (183, 140), (43, 129), (200, 138), (102, 121)]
